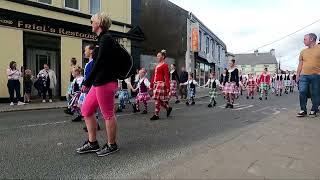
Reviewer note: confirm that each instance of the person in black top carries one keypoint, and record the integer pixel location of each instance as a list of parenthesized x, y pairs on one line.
[(174, 83), (103, 85), (183, 79), (230, 87)]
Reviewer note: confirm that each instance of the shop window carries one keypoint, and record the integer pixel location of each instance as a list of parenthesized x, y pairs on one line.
[(95, 6), (72, 4), (45, 1)]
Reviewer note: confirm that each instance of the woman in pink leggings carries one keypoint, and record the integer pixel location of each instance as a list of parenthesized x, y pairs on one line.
[(103, 83)]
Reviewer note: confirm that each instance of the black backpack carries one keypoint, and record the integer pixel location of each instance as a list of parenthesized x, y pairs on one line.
[(124, 63)]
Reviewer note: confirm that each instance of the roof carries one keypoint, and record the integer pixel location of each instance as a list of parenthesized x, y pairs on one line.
[(252, 59)]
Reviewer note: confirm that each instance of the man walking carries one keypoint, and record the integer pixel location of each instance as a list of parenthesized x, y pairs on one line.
[(183, 79), (308, 75)]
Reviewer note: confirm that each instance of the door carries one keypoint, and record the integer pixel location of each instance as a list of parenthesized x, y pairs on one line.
[(36, 58)]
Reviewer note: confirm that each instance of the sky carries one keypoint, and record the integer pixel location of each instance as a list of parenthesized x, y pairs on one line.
[(245, 25)]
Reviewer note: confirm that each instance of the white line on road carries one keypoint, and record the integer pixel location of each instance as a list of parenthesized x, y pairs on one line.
[(262, 109), (34, 125), (245, 107)]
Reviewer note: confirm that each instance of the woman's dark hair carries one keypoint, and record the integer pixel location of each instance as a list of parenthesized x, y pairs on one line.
[(74, 60), (191, 75), (233, 61), (163, 53), (266, 69), (11, 65), (91, 47)]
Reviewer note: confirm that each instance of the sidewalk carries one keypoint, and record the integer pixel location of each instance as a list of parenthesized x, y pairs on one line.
[(62, 104), (281, 147)]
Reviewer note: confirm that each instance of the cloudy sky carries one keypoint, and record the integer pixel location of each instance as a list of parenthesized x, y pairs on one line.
[(248, 24)]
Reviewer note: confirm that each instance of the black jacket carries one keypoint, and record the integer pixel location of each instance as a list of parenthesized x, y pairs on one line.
[(104, 61), (175, 76), (183, 77)]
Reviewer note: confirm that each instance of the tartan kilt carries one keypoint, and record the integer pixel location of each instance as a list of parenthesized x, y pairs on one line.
[(230, 88), (142, 97), (74, 102), (213, 93), (191, 92), (251, 88), (160, 92), (287, 83), (264, 87), (279, 85), (173, 87), (124, 95)]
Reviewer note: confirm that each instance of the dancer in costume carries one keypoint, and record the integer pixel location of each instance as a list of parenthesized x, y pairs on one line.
[(264, 83), (143, 95), (251, 86), (213, 85), (233, 82)]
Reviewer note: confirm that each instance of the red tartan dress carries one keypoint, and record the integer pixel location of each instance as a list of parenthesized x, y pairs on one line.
[(251, 85), (160, 82)]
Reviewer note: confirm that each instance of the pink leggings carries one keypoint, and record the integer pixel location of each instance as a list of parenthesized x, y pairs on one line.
[(103, 97)]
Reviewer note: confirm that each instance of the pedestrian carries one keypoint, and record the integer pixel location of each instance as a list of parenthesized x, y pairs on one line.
[(183, 79), (160, 84), (143, 96), (251, 86), (287, 82), (103, 83), (13, 84), (49, 82), (223, 80), (27, 85), (264, 84), (174, 83), (213, 85), (75, 94), (293, 83), (124, 96), (231, 84), (191, 88), (279, 84), (88, 52), (308, 75)]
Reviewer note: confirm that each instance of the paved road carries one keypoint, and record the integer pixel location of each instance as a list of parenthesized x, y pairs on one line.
[(41, 144)]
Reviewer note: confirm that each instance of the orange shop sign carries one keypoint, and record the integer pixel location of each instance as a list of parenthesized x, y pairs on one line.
[(195, 38)]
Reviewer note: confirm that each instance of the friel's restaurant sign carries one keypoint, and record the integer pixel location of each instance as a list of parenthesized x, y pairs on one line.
[(48, 26)]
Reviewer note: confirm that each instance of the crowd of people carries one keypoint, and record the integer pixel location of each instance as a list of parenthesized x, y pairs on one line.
[(94, 88)]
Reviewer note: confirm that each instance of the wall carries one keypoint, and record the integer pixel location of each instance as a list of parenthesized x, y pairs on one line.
[(12, 51), (149, 61), (257, 69), (70, 47)]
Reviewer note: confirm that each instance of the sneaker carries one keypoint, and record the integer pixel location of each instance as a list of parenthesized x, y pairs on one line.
[(260, 98), (154, 117), (77, 119), (302, 114), (119, 110), (107, 150), (187, 103), (313, 114), (43, 101), (144, 112), (193, 103), (231, 106), (177, 102), (277, 94), (21, 103), (169, 111), (210, 106), (247, 97), (68, 111), (50, 100), (252, 97), (266, 98), (227, 105), (11, 104), (88, 147), (214, 103)]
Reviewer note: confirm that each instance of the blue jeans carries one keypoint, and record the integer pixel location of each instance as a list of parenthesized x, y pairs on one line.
[(312, 82)]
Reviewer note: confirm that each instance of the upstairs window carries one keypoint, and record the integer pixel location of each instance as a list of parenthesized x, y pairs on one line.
[(94, 6), (72, 4), (45, 1)]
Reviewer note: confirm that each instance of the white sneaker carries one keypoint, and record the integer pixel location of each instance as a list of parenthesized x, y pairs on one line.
[(20, 103), (11, 104), (50, 100), (43, 101)]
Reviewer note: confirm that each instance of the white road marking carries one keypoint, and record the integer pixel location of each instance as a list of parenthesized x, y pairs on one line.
[(262, 109), (35, 125), (245, 107)]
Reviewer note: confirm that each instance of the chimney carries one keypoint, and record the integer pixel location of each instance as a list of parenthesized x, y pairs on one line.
[(273, 52), (256, 52)]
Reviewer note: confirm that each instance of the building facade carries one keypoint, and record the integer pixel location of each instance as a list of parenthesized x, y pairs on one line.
[(54, 31), (256, 62), (205, 53)]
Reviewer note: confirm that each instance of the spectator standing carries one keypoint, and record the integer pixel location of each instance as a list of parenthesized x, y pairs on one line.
[(183, 79), (49, 82), (13, 84)]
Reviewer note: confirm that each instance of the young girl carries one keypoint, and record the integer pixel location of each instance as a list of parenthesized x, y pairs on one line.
[(143, 95), (27, 84), (191, 87), (223, 80), (251, 86), (174, 77), (160, 84), (279, 84), (231, 84), (213, 85), (124, 96), (287, 82), (76, 92), (265, 81)]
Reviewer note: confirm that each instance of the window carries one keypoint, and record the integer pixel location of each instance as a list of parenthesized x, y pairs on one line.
[(266, 66), (45, 1), (200, 39), (219, 53), (212, 43), (207, 45), (94, 6), (72, 4)]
